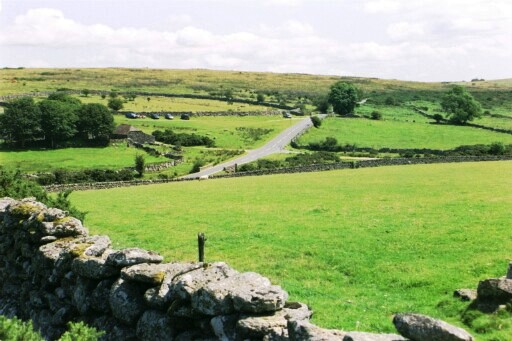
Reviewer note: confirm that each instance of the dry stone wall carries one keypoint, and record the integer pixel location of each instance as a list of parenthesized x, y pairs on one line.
[(53, 272)]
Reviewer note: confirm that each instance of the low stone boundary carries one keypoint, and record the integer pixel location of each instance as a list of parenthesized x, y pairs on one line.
[(177, 114), (303, 169), (53, 272)]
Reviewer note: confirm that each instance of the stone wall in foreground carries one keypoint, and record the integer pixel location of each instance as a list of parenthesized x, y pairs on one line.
[(52, 272)]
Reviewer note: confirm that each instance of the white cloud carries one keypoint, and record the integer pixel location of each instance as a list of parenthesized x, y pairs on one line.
[(382, 6), (405, 30)]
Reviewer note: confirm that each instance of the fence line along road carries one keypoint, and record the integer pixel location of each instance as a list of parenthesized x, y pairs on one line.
[(275, 145)]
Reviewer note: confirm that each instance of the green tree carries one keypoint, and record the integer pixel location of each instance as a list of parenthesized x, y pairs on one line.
[(58, 121), (343, 97), (21, 121), (115, 104), (260, 98), (460, 105), (140, 165), (95, 121), (63, 97), (86, 92)]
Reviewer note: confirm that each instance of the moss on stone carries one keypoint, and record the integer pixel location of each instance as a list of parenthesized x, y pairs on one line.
[(25, 210), (158, 277), (78, 250)]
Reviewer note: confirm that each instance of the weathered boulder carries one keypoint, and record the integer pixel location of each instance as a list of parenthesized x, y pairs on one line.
[(255, 294), (132, 256), (93, 267), (304, 330), (272, 325), (126, 301), (224, 327), (145, 273), (81, 294), (100, 296), (154, 326), (420, 327), (183, 286), (465, 294), (495, 289), (63, 227)]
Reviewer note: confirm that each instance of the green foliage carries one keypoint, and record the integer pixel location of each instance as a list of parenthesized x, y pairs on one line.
[(140, 164), (322, 104), (58, 121), (376, 115), (196, 167), (460, 106), (62, 176), (62, 201), (317, 122), (438, 118), (14, 185), (115, 104), (96, 121), (170, 137), (343, 97), (86, 92), (497, 148), (260, 98), (17, 330), (21, 121), (81, 332)]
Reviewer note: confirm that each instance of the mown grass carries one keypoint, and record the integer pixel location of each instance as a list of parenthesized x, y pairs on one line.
[(357, 245), (112, 157), (400, 134)]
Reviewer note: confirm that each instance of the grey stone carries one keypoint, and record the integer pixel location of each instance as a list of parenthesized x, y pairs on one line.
[(183, 286), (154, 326), (99, 299), (126, 301), (273, 326), (495, 289), (99, 245), (304, 330), (48, 239), (421, 327), (132, 256), (465, 294), (255, 294), (361, 336), (65, 227), (93, 267), (81, 294), (224, 327), (167, 291), (145, 273)]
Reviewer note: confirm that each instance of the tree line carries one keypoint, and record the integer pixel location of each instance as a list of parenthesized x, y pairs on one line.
[(54, 122)]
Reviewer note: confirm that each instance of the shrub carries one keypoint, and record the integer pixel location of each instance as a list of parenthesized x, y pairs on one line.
[(497, 148), (140, 165), (317, 122), (376, 115)]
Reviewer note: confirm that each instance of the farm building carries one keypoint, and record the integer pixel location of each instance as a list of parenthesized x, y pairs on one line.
[(128, 132)]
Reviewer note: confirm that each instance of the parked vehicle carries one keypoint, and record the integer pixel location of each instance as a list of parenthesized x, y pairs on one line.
[(169, 116), (287, 115), (154, 116), (185, 117), (131, 115)]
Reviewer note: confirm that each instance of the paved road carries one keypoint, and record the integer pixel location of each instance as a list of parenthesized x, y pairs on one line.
[(273, 146)]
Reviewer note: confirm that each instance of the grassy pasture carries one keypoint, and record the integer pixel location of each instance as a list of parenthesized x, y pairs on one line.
[(357, 245), (223, 129), (113, 157), (156, 103), (400, 134)]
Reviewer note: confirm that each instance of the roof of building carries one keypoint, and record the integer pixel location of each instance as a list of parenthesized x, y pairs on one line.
[(124, 129)]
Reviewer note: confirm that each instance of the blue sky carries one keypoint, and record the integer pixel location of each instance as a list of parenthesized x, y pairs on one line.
[(425, 40)]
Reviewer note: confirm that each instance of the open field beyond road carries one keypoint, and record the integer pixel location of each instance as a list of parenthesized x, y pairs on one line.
[(399, 134), (357, 245)]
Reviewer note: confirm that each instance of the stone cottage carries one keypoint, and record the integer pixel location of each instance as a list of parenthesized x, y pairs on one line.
[(128, 132)]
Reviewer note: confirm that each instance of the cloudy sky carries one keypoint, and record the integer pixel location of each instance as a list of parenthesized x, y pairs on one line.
[(426, 40)]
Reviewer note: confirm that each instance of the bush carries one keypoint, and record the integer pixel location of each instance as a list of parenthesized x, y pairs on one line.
[(317, 122), (196, 167), (376, 115), (186, 140), (497, 148), (140, 165)]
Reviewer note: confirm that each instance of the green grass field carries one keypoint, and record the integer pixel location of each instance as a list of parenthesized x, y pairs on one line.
[(156, 103), (223, 129), (357, 245), (113, 157), (400, 134)]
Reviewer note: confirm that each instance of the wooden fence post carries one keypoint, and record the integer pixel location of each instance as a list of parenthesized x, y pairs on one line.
[(200, 244)]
